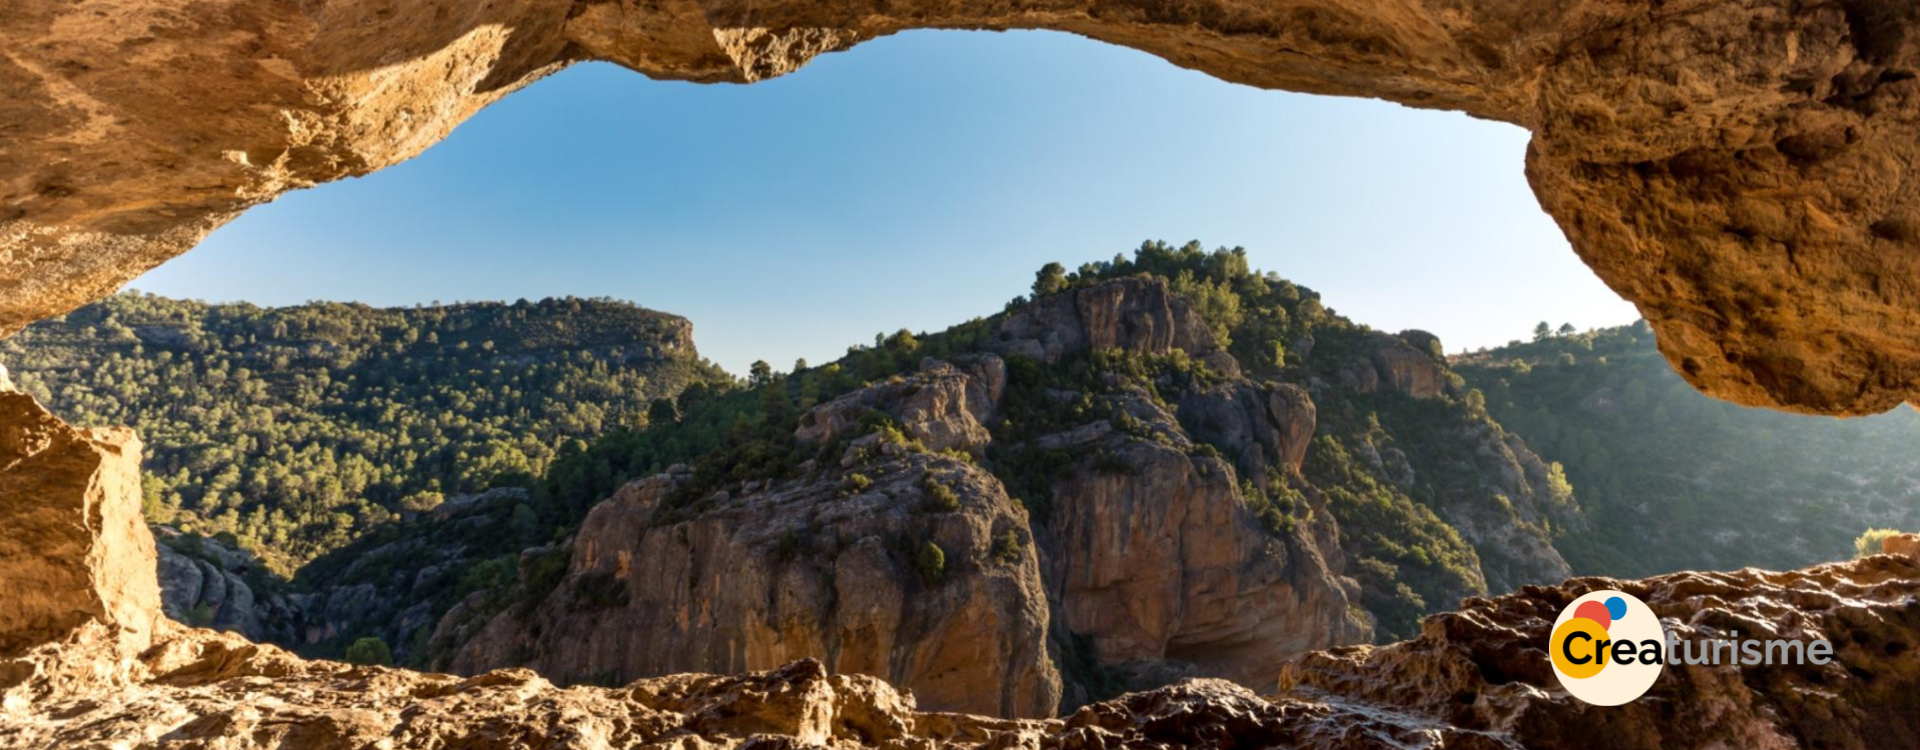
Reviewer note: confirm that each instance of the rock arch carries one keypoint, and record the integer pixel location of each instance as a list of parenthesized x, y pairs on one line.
[(1739, 169)]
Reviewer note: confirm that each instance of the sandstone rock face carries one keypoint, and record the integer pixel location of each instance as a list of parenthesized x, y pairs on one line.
[(1740, 170), (76, 550), (1272, 425), (1164, 571), (817, 568), (1156, 572)]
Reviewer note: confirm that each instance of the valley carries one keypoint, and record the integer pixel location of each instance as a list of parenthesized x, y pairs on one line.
[(1153, 469)]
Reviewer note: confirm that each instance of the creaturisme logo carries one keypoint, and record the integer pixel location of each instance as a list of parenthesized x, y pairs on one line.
[(1608, 648)]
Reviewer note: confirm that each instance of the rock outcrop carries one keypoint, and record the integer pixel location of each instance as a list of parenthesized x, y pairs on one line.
[(1271, 425), (940, 406), (1484, 670), (1478, 678), (76, 553), (203, 582), (1151, 566), (76, 560), (1739, 170), (389, 588), (1410, 363), (1161, 569), (831, 567), (1135, 315)]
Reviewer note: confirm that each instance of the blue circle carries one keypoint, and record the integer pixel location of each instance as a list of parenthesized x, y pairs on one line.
[(1617, 607)]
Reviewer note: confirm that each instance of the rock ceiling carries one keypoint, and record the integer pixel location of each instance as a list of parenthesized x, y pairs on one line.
[(1739, 169)]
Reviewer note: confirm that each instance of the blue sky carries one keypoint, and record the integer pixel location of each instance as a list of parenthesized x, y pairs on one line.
[(918, 181)]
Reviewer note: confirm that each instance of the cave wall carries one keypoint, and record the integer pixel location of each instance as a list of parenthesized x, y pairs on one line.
[(1737, 168)]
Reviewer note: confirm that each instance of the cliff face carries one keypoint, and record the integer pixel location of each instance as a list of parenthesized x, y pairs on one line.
[(1160, 571), (1160, 566), (1147, 521), (394, 589), (832, 568), (1475, 678)]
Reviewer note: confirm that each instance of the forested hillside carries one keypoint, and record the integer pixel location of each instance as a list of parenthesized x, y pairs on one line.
[(298, 429), (1673, 479), (1414, 490)]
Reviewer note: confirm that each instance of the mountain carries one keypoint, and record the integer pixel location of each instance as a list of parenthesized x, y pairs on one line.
[(1675, 480), (1154, 468), (292, 431), (89, 661)]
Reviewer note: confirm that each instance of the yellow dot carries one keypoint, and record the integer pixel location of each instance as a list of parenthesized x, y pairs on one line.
[(1565, 640)]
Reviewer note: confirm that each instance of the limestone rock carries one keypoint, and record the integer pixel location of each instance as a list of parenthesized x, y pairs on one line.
[(1511, 510), (1136, 315), (1901, 544), (1271, 425), (941, 406), (1164, 571), (815, 568), (1485, 669), (1399, 364), (1740, 170), (1474, 679), (76, 550)]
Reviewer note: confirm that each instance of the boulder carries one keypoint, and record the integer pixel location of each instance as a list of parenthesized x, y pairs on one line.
[(76, 550)]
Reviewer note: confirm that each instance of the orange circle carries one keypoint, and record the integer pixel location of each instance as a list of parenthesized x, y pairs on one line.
[(1563, 641)]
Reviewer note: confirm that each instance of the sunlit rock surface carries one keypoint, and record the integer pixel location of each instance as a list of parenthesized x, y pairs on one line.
[(1742, 170), (1477, 678)]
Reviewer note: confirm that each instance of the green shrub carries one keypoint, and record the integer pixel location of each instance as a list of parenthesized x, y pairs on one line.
[(369, 650), (855, 484), (1868, 544), (931, 563), (940, 498), (1007, 547)]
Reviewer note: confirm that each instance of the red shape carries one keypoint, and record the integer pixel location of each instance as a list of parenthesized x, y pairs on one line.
[(1595, 611)]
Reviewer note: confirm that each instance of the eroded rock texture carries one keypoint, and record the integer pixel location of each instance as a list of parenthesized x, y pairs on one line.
[(822, 569), (75, 552), (1740, 169), (1477, 678)]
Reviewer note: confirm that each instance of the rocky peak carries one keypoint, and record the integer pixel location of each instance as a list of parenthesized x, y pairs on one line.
[(943, 406), (1136, 315), (1407, 363)]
